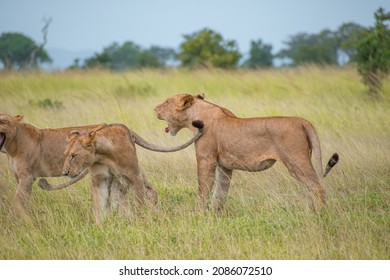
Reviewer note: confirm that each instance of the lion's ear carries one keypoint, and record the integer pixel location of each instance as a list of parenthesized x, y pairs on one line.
[(184, 102), (99, 127), (89, 143), (72, 134), (18, 118), (201, 96), (91, 135)]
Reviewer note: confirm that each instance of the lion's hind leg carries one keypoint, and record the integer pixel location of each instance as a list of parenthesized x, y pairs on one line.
[(150, 192), (124, 200), (135, 180), (223, 177), (303, 171)]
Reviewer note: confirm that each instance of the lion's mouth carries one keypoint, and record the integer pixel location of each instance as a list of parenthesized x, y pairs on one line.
[(2, 139), (167, 130), (171, 129)]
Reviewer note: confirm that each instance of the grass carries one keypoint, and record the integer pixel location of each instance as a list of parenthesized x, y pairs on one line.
[(266, 215)]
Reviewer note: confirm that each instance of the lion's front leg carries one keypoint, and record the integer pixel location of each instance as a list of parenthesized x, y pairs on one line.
[(23, 194), (224, 176), (100, 197), (206, 177)]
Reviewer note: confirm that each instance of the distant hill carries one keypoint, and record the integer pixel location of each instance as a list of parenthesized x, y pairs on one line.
[(62, 59)]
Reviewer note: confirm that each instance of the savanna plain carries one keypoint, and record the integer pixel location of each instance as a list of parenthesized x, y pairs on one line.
[(267, 214)]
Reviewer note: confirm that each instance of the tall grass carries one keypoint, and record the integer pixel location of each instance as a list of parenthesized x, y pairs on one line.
[(267, 214)]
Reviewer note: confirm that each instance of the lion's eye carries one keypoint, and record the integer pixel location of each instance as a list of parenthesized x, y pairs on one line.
[(73, 156)]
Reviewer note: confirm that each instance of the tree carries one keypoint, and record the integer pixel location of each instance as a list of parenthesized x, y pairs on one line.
[(208, 48), (305, 48), (16, 52), (373, 53), (39, 48), (126, 56), (99, 60), (115, 57), (146, 59), (348, 36), (260, 55), (164, 55)]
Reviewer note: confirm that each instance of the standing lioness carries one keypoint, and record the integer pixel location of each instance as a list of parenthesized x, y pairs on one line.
[(252, 144), (109, 153)]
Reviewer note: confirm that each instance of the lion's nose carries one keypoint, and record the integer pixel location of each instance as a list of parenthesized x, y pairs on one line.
[(65, 173)]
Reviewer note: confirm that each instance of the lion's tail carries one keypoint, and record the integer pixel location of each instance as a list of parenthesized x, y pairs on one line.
[(316, 148), (143, 143), (332, 162), (45, 185)]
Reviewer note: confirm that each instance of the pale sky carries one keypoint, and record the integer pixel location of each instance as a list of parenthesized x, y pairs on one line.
[(79, 25)]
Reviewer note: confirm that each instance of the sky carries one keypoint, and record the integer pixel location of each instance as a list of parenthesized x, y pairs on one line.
[(91, 25)]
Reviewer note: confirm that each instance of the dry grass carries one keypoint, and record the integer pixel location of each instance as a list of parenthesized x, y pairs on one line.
[(266, 216)]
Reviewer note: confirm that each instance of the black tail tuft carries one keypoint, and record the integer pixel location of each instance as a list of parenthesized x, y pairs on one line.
[(333, 160), (198, 124)]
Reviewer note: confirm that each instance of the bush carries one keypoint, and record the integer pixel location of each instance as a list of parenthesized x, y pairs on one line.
[(373, 53), (47, 103)]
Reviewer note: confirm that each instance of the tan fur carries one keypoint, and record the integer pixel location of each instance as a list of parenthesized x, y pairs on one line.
[(252, 144), (110, 156), (3, 190), (32, 153), (44, 184)]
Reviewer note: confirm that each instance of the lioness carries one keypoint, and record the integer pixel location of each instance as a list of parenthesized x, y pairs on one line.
[(34, 152), (251, 144), (109, 154)]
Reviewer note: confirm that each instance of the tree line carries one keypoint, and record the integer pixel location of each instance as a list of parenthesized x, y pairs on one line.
[(207, 48), (369, 48)]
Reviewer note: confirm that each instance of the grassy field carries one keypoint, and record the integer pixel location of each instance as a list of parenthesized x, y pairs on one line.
[(267, 214)]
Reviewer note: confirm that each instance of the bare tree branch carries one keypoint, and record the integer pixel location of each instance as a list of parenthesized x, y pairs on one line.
[(34, 52)]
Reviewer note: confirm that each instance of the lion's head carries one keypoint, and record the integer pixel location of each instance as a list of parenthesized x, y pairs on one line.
[(79, 153), (173, 111), (8, 126)]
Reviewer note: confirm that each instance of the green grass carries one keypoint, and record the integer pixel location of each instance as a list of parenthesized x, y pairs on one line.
[(267, 214)]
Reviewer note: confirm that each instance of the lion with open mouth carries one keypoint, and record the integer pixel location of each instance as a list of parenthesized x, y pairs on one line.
[(251, 144)]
